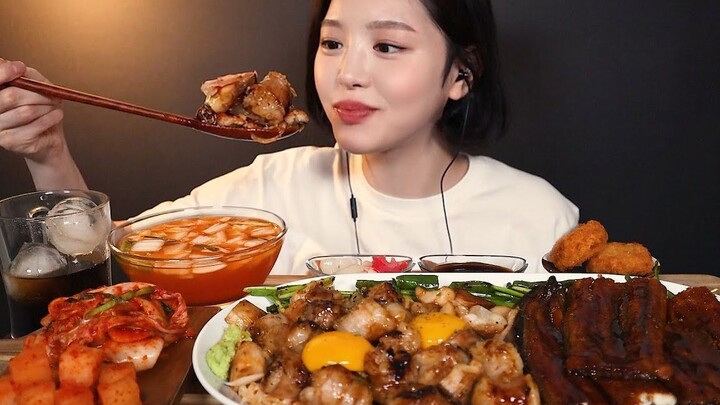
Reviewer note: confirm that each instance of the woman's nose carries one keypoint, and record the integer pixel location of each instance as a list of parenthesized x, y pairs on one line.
[(353, 71)]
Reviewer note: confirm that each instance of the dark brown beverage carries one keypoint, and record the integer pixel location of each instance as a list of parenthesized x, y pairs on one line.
[(28, 298), (52, 244)]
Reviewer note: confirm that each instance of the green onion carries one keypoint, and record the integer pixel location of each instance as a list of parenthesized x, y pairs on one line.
[(288, 291), (280, 296), (100, 308), (125, 245), (261, 291), (478, 287), (409, 282), (509, 291), (127, 296), (145, 291), (360, 284), (656, 270), (169, 311)]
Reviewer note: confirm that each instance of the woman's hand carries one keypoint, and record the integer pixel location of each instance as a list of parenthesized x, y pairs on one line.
[(31, 126)]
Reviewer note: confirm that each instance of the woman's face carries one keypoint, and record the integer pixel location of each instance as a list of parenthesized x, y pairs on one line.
[(379, 74)]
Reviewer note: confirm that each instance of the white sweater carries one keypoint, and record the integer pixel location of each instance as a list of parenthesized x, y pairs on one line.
[(494, 209)]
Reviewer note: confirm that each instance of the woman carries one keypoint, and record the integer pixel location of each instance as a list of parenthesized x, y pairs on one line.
[(409, 88)]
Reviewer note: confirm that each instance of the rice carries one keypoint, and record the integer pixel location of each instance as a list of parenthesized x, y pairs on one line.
[(252, 394)]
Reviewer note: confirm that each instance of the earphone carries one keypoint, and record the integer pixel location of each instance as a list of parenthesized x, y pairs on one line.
[(463, 74)]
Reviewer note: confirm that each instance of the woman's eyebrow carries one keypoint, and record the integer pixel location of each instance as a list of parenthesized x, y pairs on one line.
[(380, 24), (330, 23), (389, 24)]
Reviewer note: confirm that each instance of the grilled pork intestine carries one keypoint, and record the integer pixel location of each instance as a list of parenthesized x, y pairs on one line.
[(270, 99), (369, 319), (239, 100), (397, 370), (223, 92), (286, 376), (336, 385)]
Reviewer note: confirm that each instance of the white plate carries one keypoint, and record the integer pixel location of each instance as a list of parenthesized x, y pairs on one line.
[(213, 330)]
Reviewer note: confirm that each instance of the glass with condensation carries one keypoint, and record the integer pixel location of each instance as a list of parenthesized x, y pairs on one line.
[(52, 244)]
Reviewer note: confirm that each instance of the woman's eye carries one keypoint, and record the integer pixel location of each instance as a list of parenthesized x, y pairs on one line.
[(387, 48), (330, 44)]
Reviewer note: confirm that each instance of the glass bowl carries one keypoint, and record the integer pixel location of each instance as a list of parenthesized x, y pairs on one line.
[(207, 254), (347, 264), (472, 264)]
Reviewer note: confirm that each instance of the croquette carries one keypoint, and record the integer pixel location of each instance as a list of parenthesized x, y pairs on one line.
[(578, 245), (622, 258)]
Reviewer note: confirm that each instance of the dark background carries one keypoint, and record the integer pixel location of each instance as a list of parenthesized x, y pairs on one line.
[(615, 103)]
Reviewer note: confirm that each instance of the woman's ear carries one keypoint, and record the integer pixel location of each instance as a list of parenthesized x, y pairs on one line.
[(461, 87)]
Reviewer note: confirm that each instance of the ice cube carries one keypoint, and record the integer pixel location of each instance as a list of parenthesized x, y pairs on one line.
[(74, 228), (37, 260)]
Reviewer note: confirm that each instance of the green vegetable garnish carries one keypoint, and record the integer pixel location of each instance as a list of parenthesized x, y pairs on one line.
[(221, 353), (114, 300), (409, 282), (280, 296), (100, 308)]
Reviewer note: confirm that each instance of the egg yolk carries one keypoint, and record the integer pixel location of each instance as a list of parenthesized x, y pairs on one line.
[(336, 347), (436, 327)]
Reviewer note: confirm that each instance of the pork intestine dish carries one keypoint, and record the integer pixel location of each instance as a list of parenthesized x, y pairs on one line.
[(377, 346), (590, 341), (239, 100)]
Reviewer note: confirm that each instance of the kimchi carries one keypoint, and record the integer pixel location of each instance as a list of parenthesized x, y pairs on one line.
[(129, 321)]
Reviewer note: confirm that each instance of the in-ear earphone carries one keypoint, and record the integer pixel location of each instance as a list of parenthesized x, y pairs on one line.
[(463, 74)]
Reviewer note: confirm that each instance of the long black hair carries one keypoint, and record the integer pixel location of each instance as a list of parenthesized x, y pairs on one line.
[(469, 28)]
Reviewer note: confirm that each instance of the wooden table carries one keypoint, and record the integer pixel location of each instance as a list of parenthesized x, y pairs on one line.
[(194, 394)]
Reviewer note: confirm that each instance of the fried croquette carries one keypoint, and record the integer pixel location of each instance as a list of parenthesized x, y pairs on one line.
[(578, 245), (622, 258)]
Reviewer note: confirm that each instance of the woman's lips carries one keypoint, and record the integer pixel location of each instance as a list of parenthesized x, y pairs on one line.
[(353, 112)]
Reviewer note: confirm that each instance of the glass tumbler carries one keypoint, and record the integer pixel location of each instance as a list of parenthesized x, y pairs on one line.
[(52, 244)]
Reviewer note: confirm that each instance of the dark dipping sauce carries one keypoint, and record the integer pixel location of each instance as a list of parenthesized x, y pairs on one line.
[(465, 267)]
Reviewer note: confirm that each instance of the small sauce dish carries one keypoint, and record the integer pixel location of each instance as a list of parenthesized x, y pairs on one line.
[(349, 264), (472, 264)]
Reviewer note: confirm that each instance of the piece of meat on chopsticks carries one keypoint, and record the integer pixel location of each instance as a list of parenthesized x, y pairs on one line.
[(270, 99), (539, 331), (223, 92), (692, 340), (239, 100), (615, 330)]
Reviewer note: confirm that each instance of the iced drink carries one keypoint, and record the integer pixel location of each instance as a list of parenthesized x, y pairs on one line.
[(53, 244)]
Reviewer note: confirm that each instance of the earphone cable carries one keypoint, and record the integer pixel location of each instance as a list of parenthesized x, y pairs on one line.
[(442, 178), (353, 203), (442, 198)]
